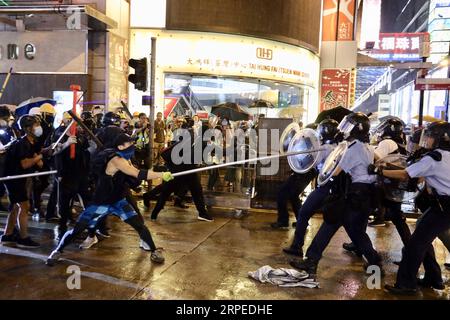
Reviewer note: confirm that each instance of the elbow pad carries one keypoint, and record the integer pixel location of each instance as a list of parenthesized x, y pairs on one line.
[(143, 174)]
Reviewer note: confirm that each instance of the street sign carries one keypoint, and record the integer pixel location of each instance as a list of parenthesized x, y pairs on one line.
[(413, 65), (433, 84)]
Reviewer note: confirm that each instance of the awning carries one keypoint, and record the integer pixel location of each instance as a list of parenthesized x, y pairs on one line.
[(91, 17)]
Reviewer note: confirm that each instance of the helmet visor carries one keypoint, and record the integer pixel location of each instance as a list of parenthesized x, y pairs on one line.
[(345, 127)]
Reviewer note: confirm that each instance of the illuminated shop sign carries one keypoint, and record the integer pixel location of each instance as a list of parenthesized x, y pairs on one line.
[(401, 46)]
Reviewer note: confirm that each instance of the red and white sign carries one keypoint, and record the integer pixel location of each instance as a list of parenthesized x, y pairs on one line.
[(342, 20), (170, 104), (335, 88), (433, 84)]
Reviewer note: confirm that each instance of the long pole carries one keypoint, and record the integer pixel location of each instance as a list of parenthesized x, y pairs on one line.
[(21, 176), (152, 99), (227, 164), (63, 134), (421, 97), (5, 83)]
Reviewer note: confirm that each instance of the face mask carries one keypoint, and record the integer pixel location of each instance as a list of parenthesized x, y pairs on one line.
[(37, 132), (127, 153)]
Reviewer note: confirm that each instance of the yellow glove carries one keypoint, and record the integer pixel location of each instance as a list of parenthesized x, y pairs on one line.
[(167, 176)]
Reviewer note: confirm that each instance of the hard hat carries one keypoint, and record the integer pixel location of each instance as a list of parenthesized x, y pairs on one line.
[(97, 110), (66, 116), (36, 111), (48, 108), (136, 114)]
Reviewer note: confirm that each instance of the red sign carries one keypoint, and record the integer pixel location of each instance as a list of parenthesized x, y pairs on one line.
[(432, 84), (335, 88), (170, 104)]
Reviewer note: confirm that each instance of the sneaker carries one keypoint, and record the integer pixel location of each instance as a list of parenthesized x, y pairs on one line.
[(143, 245), (308, 265), (425, 283), (103, 233), (53, 258), (157, 256), (400, 290), (27, 243), (279, 226), (377, 223), (89, 242), (8, 239), (293, 251), (205, 217), (350, 247)]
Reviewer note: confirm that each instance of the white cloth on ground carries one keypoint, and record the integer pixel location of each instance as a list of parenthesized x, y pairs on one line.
[(283, 277)]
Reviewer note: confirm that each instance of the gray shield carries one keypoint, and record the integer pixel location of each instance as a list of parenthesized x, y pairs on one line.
[(396, 190), (287, 135), (305, 140), (331, 163)]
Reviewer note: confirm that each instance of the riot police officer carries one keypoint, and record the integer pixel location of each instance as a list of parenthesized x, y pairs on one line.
[(354, 211), (327, 130), (434, 168)]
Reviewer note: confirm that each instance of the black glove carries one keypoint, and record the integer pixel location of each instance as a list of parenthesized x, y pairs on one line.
[(372, 169)]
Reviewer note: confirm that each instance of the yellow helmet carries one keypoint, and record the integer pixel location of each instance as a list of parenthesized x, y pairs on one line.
[(66, 116), (48, 108), (136, 114)]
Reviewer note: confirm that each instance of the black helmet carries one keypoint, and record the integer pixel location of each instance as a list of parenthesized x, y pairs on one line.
[(440, 131), (5, 113), (355, 125), (27, 122), (86, 115), (391, 129), (111, 119), (312, 126), (327, 130)]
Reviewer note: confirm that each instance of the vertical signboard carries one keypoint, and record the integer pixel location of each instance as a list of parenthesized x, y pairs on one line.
[(335, 88), (338, 19)]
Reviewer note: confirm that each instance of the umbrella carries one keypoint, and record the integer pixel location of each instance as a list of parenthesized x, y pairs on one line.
[(25, 106), (427, 118), (231, 111), (337, 114), (291, 112), (261, 104)]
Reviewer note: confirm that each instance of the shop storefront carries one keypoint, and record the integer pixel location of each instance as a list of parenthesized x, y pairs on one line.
[(196, 70)]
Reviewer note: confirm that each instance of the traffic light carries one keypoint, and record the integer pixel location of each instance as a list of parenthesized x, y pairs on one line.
[(140, 77)]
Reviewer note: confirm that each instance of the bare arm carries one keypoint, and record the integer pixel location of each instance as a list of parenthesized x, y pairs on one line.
[(123, 165), (396, 174), (30, 162)]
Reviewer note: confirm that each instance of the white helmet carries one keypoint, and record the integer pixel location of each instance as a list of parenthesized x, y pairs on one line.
[(36, 111)]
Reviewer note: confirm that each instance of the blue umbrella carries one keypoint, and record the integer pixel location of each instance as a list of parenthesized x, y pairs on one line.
[(25, 106)]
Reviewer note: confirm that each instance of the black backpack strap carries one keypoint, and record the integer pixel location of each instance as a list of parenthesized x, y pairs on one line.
[(435, 155)]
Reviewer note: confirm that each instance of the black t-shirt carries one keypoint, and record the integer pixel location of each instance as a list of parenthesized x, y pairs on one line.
[(19, 150)]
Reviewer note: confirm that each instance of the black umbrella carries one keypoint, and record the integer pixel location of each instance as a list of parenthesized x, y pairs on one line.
[(337, 114), (231, 111)]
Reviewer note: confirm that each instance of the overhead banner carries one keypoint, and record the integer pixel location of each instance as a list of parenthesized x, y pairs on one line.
[(401, 46), (335, 88), (338, 20)]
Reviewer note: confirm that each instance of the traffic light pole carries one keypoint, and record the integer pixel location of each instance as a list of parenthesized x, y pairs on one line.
[(152, 99)]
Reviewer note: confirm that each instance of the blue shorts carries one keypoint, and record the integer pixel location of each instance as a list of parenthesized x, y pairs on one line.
[(93, 213)]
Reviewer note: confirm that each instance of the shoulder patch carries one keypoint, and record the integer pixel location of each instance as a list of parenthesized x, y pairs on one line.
[(435, 155)]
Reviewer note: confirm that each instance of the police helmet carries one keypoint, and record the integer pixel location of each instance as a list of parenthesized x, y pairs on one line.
[(440, 132), (327, 130), (86, 115), (391, 128), (355, 125), (111, 119)]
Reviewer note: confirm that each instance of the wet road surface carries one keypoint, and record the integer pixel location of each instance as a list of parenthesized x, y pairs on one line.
[(204, 260)]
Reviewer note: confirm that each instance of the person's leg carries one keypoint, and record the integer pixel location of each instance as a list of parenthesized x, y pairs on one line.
[(142, 230), (321, 240), (355, 224), (284, 194), (419, 249), (51, 205), (11, 220), (196, 190), (22, 218), (394, 213), (309, 207), (167, 189)]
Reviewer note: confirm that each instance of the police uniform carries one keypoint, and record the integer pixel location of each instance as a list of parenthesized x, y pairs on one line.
[(313, 202), (434, 222)]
